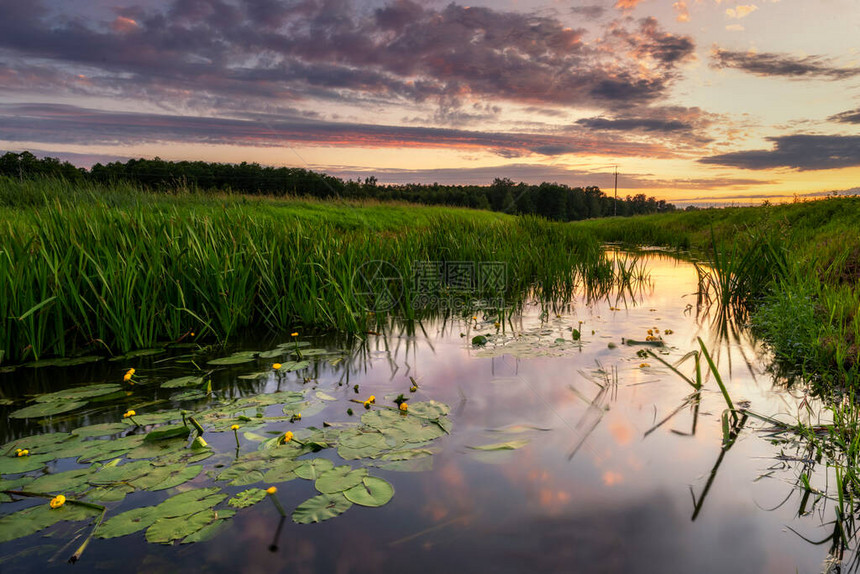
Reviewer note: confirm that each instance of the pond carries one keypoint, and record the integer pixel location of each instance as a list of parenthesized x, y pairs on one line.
[(537, 451)]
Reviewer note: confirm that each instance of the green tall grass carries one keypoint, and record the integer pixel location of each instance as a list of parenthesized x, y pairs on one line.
[(795, 267), (114, 270)]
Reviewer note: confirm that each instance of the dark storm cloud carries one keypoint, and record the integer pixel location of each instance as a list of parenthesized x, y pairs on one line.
[(783, 65), (680, 125), (627, 124), (249, 52), (848, 117), (802, 152), (62, 124)]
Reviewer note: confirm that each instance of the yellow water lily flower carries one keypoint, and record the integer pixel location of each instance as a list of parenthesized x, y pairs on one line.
[(58, 501), (272, 490), (404, 407), (288, 436), (643, 365), (294, 334), (276, 366), (372, 399), (128, 413), (234, 427), (297, 416), (23, 452)]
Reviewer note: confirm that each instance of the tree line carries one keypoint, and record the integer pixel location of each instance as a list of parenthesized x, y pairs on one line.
[(550, 200)]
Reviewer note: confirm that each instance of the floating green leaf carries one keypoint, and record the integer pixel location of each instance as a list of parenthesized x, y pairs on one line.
[(372, 491), (46, 409), (339, 478), (78, 393), (190, 501), (36, 443), (517, 429), (128, 522), (247, 498), (321, 508), (179, 382), (282, 471), (209, 531), (166, 530), (245, 472), (163, 433), (103, 429), (139, 353), (121, 473), (67, 362), (19, 464), (166, 477), (235, 358), (312, 469), (33, 519), (113, 493), (291, 366), (509, 445), (63, 482)]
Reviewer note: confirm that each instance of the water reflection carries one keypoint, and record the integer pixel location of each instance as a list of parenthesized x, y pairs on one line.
[(619, 456)]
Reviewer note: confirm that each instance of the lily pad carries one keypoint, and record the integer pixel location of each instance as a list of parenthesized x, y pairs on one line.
[(167, 477), (121, 473), (372, 491), (128, 522), (181, 382), (163, 433), (33, 519), (46, 409), (37, 443), (211, 530), (314, 468), (322, 507), (339, 478), (78, 393), (139, 353), (104, 429), (247, 498), (235, 358), (63, 482), (291, 366), (190, 501), (66, 362), (19, 464), (424, 464), (166, 530), (282, 471), (509, 445)]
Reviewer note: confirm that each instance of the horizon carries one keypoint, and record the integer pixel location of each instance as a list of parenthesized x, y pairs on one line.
[(696, 102)]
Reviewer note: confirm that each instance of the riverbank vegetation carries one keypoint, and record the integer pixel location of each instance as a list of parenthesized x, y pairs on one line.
[(795, 266), (122, 267), (88, 268)]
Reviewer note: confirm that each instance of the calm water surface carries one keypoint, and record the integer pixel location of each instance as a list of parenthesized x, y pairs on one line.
[(603, 490)]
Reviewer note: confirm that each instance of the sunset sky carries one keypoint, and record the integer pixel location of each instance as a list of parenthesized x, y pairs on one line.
[(696, 101)]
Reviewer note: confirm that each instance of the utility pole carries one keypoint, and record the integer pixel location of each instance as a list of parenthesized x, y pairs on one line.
[(615, 204)]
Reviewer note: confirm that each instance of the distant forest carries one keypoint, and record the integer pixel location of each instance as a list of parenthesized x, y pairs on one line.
[(550, 200)]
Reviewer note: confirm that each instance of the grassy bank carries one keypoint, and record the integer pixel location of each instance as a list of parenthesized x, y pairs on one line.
[(115, 269), (797, 265)]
